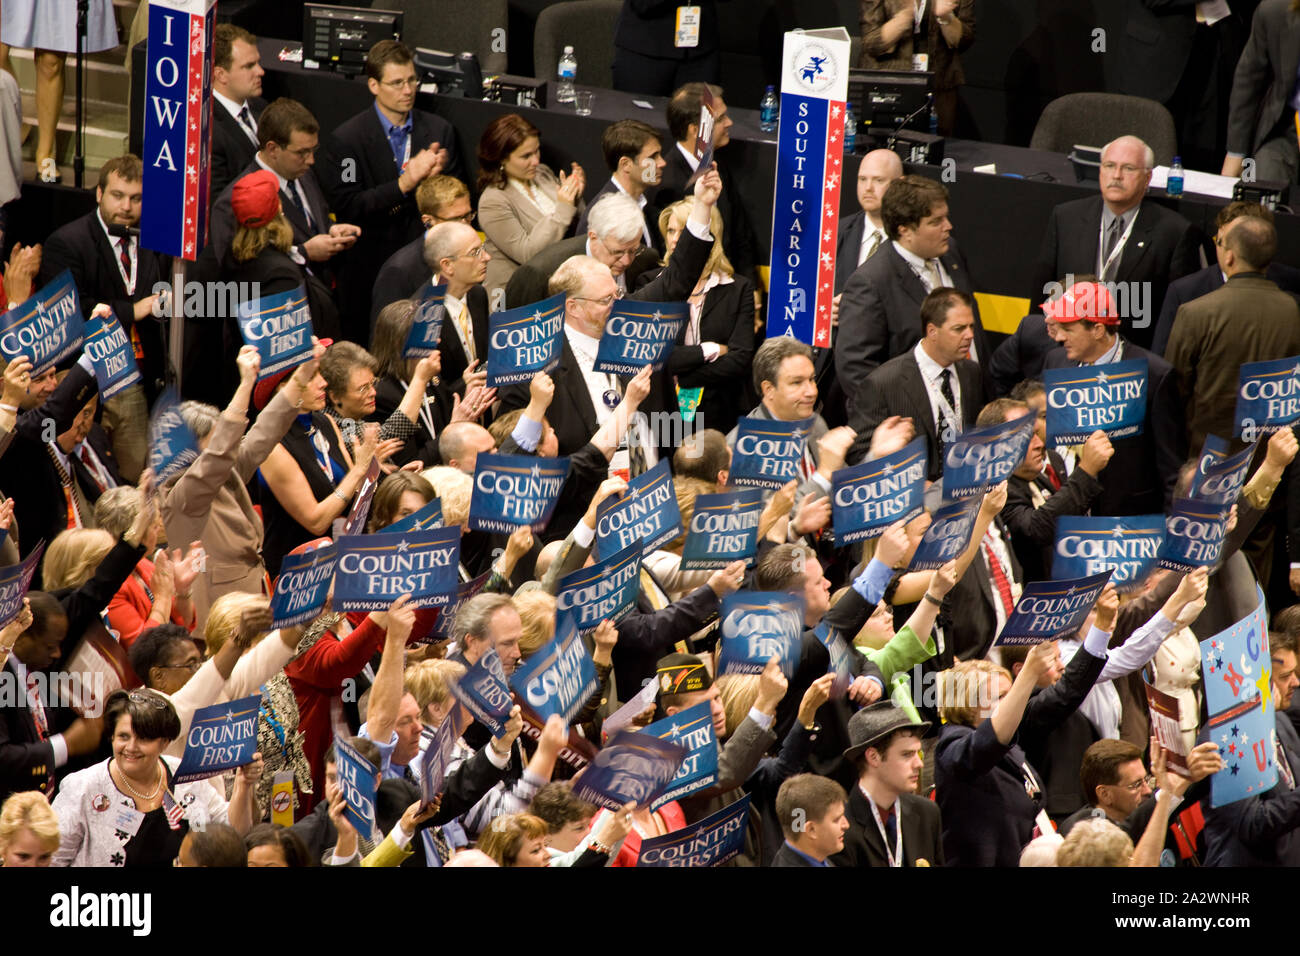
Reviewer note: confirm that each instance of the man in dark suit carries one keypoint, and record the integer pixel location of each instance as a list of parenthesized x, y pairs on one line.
[(440, 199), (683, 115), (108, 264), (1144, 468), (811, 812), (1021, 354), (38, 737), (634, 155), (1264, 829), (585, 399), (652, 56), (934, 383), (889, 825), (1120, 238), (1203, 282), (375, 162), (612, 237), (289, 135), (1260, 114), (861, 236), (458, 259), (880, 302), (237, 103)]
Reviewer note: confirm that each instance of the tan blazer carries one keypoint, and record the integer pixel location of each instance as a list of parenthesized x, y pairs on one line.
[(209, 503), (516, 230)]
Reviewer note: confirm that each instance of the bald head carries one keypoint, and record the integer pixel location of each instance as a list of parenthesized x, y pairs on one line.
[(1125, 172), (589, 289), (878, 169), (1249, 244), (461, 443)]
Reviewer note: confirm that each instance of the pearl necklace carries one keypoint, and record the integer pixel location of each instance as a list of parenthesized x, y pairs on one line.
[(135, 793)]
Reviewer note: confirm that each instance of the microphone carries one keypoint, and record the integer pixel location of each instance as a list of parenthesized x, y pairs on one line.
[(893, 137), (123, 232)]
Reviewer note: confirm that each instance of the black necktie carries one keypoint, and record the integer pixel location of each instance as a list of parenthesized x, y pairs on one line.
[(246, 118), (1112, 237), (891, 828), (945, 389), (295, 192)]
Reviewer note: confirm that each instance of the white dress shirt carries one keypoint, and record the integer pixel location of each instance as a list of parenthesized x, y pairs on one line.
[(930, 374)]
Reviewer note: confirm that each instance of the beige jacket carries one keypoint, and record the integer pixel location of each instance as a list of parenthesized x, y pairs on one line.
[(516, 230)]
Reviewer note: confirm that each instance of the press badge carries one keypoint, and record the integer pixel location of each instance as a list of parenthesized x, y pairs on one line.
[(920, 62), (688, 27)]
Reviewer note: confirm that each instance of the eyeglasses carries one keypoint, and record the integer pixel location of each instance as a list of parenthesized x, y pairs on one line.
[(475, 253), (1126, 169), (1136, 786), (467, 218), (303, 151), (604, 301), (190, 666), (365, 388), (153, 700), (629, 254), (410, 82)]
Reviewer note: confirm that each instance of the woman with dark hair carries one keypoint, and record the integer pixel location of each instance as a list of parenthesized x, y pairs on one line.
[(411, 386), (126, 811), (399, 495), (522, 206), (259, 252), (271, 845), (216, 846)]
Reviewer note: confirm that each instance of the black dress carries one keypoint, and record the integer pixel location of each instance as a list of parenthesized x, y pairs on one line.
[(283, 533), (156, 844)]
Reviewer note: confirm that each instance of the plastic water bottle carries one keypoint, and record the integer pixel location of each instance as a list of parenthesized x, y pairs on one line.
[(1174, 183), (768, 111), (934, 117), (567, 73), (850, 129)]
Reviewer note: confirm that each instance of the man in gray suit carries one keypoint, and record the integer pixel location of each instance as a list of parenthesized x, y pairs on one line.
[(879, 305), (1260, 110)]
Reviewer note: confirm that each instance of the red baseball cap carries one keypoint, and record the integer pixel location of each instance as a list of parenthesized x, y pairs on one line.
[(255, 198), (1083, 300)]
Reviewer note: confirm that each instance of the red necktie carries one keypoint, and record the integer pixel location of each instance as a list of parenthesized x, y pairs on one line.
[(999, 576), (1052, 478), (91, 467), (124, 253)]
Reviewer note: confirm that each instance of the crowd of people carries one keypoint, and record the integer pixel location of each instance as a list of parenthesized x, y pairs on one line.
[(925, 745)]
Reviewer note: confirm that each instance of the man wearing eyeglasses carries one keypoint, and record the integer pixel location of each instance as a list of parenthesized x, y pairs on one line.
[(373, 165), (457, 259), (614, 235), (440, 199), (289, 135), (1120, 238)]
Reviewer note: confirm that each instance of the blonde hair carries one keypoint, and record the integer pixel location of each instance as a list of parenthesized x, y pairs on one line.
[(1095, 843), (427, 681), (28, 810), (1041, 850), (681, 210), (249, 241), (223, 617), (687, 490), (537, 614), (964, 688), (738, 693), (506, 836), (453, 488), (72, 557)]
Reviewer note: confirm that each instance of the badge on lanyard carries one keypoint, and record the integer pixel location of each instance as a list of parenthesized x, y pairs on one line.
[(920, 62), (688, 27)]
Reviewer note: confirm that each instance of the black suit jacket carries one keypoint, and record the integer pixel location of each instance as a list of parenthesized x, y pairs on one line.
[(739, 241), (650, 211), (1265, 77), (971, 620), (786, 856), (648, 27), (1033, 530), (922, 833), (1162, 247), (1141, 475), (454, 359), (896, 388), (400, 277), (223, 228), (880, 316), (232, 150), (847, 245), (359, 176), (528, 284), (83, 247), (726, 317), (1203, 282), (1021, 355)]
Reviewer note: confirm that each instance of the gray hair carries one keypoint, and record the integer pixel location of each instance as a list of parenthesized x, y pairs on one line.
[(200, 416), (616, 217), (770, 355), (116, 509), (475, 616), (441, 242), (1148, 154)]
